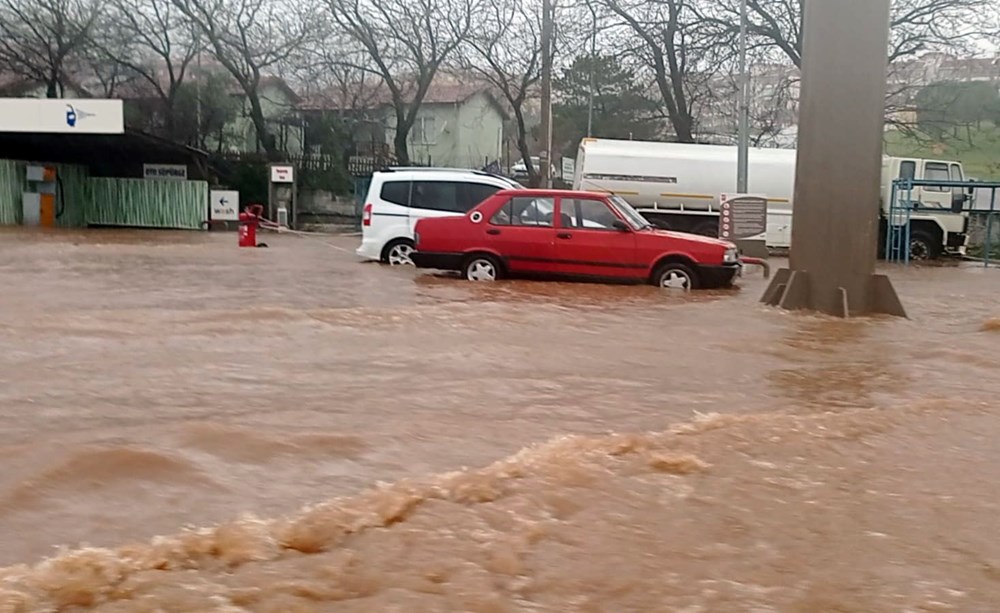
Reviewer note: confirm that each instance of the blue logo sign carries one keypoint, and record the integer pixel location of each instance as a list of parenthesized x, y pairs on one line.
[(73, 116)]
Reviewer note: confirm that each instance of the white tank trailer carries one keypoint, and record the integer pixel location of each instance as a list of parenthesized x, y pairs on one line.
[(678, 186)]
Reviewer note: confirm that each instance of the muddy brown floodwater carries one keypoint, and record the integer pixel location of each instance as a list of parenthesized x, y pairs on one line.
[(186, 426)]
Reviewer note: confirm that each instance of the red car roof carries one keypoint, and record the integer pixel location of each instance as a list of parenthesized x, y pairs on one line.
[(553, 193)]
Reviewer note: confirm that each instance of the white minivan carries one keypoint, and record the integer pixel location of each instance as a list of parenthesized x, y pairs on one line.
[(398, 197)]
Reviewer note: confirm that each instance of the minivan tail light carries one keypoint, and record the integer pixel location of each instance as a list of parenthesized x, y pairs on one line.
[(366, 216)]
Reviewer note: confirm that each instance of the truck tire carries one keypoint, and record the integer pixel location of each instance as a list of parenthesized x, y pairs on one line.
[(924, 246)]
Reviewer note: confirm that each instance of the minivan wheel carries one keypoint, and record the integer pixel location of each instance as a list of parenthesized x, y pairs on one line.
[(481, 268), (397, 253), (675, 276)]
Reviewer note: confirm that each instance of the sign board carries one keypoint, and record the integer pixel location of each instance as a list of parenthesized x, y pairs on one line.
[(62, 116), (225, 205), (165, 171), (282, 174), (742, 217), (568, 169)]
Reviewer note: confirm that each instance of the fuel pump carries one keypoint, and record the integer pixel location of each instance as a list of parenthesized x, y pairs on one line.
[(282, 194), (249, 222)]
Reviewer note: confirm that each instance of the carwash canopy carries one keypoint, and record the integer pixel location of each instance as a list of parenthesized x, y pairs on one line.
[(88, 133), (94, 169)]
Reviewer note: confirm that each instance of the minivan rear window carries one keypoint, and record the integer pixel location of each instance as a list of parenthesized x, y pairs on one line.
[(396, 192)]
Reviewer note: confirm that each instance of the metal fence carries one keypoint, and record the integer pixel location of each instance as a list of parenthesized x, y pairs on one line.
[(902, 206)]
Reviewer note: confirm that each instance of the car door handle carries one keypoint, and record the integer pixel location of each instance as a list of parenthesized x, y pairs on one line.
[(493, 231), (564, 235)]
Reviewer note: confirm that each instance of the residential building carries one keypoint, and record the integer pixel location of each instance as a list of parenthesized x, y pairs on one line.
[(459, 124)]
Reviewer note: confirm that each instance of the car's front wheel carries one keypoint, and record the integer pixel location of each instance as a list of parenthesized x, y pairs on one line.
[(481, 268), (675, 276)]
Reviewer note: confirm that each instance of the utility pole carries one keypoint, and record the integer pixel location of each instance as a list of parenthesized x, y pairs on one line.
[(593, 67), (744, 104), (545, 156)]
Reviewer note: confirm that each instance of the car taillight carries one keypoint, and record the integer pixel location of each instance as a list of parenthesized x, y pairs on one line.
[(366, 216)]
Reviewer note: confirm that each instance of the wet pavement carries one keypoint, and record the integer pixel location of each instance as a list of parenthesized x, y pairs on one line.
[(215, 424)]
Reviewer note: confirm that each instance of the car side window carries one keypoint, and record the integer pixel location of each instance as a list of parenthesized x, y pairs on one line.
[(586, 214), (472, 194), (502, 216), (436, 196), (532, 211), (396, 192), (907, 170)]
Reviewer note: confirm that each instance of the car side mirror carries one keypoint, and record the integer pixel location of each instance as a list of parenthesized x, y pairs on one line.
[(620, 225)]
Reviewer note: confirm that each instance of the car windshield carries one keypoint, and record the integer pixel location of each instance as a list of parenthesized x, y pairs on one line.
[(637, 221)]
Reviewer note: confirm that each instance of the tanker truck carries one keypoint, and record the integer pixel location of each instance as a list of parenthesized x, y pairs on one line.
[(677, 186)]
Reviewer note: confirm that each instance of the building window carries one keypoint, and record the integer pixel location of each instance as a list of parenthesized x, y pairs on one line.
[(424, 131)]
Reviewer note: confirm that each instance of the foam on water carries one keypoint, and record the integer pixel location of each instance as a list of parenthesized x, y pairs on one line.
[(569, 525)]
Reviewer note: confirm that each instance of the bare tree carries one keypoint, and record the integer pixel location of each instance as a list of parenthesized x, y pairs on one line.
[(343, 100), (41, 39), (675, 48), (505, 52), (154, 42), (250, 38), (772, 104), (406, 43), (917, 25)]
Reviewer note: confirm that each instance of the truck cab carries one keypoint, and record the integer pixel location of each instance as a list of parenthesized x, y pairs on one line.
[(936, 227)]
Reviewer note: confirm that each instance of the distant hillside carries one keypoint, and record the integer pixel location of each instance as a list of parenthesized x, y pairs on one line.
[(978, 148)]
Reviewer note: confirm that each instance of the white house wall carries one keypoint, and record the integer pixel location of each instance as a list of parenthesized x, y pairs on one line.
[(468, 134)]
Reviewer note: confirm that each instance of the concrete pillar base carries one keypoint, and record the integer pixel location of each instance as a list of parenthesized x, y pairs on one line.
[(794, 290)]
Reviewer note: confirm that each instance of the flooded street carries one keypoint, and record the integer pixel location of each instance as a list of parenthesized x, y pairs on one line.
[(187, 426)]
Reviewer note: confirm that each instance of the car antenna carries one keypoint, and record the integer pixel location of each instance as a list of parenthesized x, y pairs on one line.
[(602, 188)]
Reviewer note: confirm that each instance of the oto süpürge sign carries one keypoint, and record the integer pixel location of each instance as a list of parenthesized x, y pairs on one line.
[(742, 217)]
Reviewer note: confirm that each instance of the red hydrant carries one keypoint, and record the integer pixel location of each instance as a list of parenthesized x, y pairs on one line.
[(249, 221)]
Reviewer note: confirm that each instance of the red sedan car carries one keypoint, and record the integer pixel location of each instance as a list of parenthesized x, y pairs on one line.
[(570, 234)]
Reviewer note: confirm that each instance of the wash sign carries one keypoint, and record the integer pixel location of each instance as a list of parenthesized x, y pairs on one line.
[(62, 116), (224, 205), (165, 171)]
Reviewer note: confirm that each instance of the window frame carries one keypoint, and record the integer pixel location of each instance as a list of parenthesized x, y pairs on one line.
[(947, 171), (409, 192), (580, 218), (510, 218)]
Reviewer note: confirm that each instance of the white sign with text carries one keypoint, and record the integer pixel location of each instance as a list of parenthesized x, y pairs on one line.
[(282, 174), (225, 205), (165, 171)]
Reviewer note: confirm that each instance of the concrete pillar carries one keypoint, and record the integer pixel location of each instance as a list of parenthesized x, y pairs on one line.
[(838, 172)]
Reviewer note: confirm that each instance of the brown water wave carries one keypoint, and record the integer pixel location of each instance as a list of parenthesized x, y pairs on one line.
[(842, 466), (580, 523)]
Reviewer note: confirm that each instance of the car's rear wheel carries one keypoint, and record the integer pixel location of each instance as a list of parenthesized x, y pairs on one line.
[(481, 268), (398, 252), (676, 277)]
